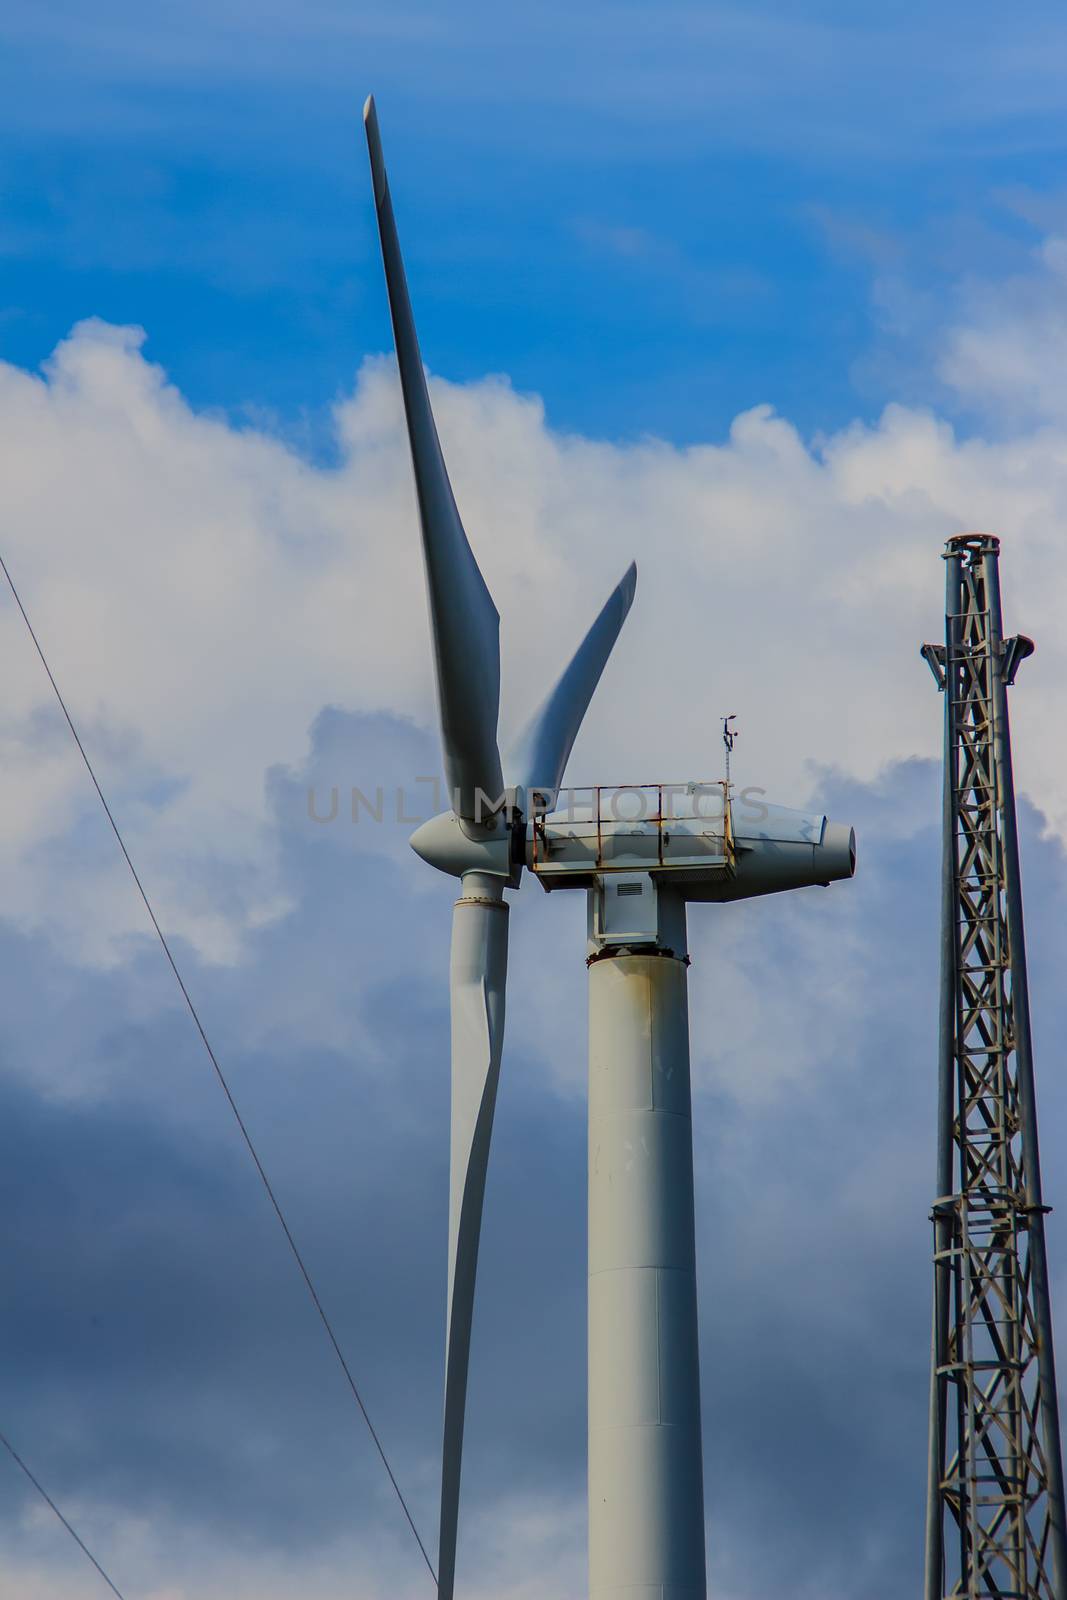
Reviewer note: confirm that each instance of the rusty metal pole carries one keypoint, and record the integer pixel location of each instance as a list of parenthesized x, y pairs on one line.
[(995, 1516), (1048, 1419)]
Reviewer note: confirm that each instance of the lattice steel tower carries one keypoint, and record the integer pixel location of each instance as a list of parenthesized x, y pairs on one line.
[(995, 1511)]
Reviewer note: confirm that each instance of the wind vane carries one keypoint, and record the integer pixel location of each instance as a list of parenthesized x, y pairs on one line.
[(729, 735)]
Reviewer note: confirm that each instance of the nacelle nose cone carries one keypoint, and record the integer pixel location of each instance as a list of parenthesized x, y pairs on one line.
[(457, 847)]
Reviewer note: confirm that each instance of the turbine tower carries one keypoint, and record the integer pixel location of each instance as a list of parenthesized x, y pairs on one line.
[(639, 855), (995, 1508)]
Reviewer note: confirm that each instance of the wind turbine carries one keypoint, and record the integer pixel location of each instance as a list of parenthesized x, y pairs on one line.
[(640, 854)]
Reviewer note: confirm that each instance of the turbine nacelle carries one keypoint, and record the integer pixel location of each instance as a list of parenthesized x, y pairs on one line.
[(695, 838)]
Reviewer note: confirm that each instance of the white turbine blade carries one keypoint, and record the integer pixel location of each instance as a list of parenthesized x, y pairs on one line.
[(478, 973), (466, 627), (539, 757)]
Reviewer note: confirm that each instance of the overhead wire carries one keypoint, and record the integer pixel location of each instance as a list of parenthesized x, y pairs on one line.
[(220, 1075), (47, 1498)]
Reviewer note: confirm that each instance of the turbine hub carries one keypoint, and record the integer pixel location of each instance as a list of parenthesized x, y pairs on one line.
[(456, 846)]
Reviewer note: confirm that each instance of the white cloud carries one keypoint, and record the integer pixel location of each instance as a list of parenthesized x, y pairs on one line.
[(1008, 351), (202, 592), (525, 1548)]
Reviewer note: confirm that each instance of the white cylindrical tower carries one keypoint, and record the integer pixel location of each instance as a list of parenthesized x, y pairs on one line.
[(646, 1496)]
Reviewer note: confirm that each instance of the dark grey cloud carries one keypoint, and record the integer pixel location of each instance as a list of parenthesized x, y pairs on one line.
[(160, 1356)]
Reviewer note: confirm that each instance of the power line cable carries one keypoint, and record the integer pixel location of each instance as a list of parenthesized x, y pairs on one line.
[(220, 1075), (47, 1498)]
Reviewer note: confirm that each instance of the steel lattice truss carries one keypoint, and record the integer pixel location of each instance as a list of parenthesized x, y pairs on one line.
[(995, 1519)]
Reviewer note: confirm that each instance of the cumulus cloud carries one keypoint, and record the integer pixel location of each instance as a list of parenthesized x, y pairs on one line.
[(1006, 353), (173, 1388), (236, 627), (203, 591)]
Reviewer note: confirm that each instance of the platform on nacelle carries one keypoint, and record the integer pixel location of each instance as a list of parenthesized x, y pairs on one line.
[(682, 827)]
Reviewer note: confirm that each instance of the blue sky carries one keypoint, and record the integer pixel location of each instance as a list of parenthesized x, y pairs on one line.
[(772, 299), (652, 219)]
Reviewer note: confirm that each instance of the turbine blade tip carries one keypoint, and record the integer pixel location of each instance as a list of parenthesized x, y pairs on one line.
[(628, 585), (374, 149)]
